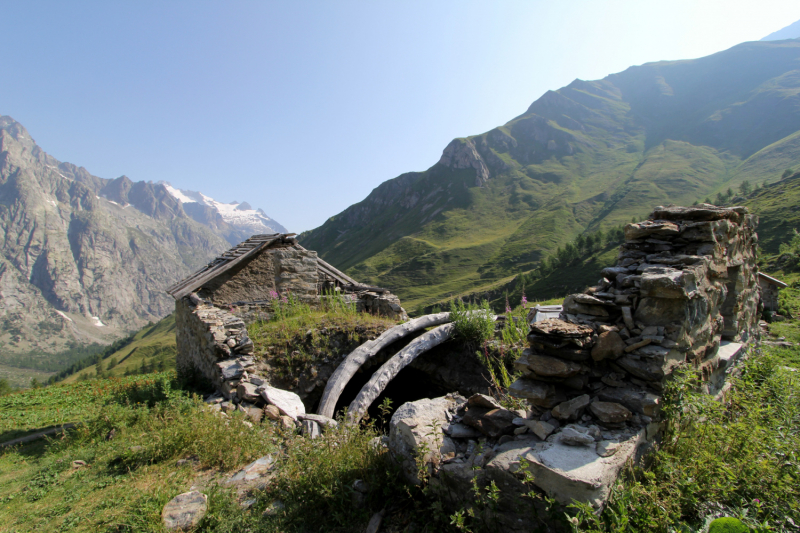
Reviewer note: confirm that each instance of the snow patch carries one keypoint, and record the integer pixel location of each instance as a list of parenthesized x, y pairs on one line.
[(178, 194), (64, 315), (254, 219), (53, 202), (97, 322)]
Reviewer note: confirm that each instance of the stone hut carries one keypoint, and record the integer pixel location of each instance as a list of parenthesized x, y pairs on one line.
[(770, 287), (214, 305)]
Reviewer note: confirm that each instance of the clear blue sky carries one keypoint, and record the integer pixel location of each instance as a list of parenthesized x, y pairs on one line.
[(302, 108)]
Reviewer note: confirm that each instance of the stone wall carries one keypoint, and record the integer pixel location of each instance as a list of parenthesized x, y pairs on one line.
[(280, 270), (683, 291), (213, 343)]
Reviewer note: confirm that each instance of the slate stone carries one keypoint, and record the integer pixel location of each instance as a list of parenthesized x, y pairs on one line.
[(561, 328), (287, 402), (490, 422), (570, 410), (552, 367), (610, 412), (609, 345), (185, 511)]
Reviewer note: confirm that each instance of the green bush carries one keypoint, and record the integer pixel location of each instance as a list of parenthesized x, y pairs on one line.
[(473, 323)]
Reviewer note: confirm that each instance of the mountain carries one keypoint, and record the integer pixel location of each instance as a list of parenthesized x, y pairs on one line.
[(593, 154), (84, 259), (792, 31), (236, 221)]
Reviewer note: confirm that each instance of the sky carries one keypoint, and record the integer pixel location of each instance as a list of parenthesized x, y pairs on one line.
[(302, 108)]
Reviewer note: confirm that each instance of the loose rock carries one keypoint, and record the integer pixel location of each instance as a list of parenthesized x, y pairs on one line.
[(185, 511)]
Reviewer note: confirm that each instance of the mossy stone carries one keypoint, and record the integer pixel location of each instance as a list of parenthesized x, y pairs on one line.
[(727, 524)]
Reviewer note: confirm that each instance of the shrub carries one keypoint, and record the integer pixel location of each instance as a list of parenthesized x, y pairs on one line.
[(473, 323)]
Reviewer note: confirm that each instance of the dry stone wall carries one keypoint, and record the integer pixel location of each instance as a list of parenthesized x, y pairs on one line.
[(212, 343), (683, 291)]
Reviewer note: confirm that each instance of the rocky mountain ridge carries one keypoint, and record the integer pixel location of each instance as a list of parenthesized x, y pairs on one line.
[(86, 259), (590, 155)]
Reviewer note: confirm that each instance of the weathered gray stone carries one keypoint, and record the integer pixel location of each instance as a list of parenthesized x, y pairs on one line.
[(490, 422), (185, 511), (255, 470), (570, 410), (248, 392), (323, 421), (551, 367), (610, 412), (310, 429), (272, 412), (287, 402), (462, 431), (573, 437), (539, 428), (482, 400), (561, 328), (415, 429), (609, 345)]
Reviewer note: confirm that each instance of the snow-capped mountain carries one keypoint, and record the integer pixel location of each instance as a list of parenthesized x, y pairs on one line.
[(239, 215)]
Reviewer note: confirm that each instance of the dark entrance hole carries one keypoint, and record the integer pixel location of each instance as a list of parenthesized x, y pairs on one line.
[(410, 384)]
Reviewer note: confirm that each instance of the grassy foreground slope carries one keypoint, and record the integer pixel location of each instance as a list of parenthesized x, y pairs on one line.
[(591, 155), (142, 440)]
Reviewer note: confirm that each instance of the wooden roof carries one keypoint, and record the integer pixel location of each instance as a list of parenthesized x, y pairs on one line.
[(247, 250)]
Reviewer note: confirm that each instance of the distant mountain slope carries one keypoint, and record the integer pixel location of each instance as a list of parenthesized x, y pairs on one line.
[(85, 259), (792, 31), (592, 154)]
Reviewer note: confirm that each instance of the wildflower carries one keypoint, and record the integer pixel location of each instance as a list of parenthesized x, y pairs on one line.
[(524, 300), (508, 307)]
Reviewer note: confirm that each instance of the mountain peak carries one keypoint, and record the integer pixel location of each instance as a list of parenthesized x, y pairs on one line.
[(241, 216)]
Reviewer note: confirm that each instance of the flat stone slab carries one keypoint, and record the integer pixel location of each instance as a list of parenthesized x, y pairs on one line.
[(561, 328), (287, 402), (185, 511), (254, 470), (579, 472)]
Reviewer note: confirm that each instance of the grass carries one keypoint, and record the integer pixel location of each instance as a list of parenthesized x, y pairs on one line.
[(151, 348), (740, 458), (301, 336), (131, 476)]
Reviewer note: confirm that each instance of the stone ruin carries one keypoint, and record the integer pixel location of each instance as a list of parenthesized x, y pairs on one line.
[(684, 291), (214, 305)]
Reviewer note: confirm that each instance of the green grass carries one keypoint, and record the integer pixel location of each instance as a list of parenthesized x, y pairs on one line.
[(152, 348)]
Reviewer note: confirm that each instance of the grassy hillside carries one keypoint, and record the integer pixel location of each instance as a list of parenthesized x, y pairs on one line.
[(150, 349), (592, 155)]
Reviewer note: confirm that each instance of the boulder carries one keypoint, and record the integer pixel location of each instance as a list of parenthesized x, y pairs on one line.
[(185, 511), (536, 392), (257, 469), (287, 402), (482, 400), (272, 412), (570, 410), (323, 421), (609, 345), (415, 432)]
